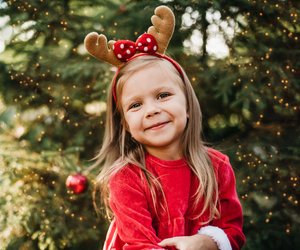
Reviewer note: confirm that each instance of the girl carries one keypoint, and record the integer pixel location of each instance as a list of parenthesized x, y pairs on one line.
[(162, 186)]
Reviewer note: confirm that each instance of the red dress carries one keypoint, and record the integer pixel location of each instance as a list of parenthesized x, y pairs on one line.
[(136, 226)]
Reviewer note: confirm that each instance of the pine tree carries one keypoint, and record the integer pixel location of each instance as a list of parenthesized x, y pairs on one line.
[(251, 102), (52, 108)]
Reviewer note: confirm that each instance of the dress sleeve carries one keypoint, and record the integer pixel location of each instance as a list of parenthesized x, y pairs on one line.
[(231, 216), (131, 211)]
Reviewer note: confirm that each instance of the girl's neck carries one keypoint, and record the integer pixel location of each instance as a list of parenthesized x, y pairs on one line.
[(165, 154)]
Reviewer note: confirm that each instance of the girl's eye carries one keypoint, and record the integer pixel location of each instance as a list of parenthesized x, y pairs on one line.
[(134, 105), (163, 95)]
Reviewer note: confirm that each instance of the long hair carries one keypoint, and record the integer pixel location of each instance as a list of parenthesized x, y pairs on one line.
[(119, 148)]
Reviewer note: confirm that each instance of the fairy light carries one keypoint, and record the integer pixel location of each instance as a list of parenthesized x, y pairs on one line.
[(252, 162)]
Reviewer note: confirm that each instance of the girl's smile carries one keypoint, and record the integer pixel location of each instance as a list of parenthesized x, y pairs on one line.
[(157, 126)]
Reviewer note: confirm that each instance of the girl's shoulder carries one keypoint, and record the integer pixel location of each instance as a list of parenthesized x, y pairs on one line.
[(222, 165), (216, 156), (126, 172)]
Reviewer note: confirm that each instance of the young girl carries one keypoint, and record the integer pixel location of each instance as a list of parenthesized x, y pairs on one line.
[(163, 187)]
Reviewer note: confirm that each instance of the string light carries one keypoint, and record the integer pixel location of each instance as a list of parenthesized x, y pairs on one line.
[(252, 162)]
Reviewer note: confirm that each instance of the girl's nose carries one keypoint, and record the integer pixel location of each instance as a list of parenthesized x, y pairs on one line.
[(152, 109)]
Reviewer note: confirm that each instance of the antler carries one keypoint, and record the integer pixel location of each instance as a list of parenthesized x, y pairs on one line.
[(163, 22), (98, 47), (163, 27)]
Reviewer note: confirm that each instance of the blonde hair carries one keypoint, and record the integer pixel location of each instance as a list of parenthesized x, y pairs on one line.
[(119, 148)]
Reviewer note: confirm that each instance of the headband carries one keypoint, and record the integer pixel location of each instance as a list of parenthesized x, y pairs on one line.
[(154, 42)]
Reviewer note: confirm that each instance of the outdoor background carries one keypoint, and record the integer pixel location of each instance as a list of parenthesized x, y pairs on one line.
[(243, 60)]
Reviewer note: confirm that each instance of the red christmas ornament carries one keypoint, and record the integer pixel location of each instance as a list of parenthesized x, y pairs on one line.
[(78, 183)]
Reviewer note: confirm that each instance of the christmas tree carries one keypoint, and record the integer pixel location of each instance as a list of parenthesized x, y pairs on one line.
[(242, 58)]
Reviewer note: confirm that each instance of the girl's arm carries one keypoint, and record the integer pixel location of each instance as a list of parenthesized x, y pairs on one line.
[(226, 232), (194, 242), (132, 217), (231, 216)]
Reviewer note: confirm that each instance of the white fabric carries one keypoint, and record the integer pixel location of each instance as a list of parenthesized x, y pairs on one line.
[(218, 235)]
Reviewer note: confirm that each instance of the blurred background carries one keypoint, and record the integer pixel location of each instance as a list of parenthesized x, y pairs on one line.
[(242, 58)]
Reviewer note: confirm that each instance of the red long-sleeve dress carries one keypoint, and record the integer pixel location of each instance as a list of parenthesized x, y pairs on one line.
[(136, 226)]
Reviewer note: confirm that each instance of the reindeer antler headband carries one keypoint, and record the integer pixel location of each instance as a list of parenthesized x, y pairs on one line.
[(154, 42)]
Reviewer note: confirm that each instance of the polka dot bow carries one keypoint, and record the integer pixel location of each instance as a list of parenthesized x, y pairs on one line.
[(125, 49)]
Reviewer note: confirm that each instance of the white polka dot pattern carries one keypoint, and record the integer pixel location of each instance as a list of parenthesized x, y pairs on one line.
[(125, 49)]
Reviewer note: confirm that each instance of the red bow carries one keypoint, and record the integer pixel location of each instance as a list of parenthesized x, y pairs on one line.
[(125, 49)]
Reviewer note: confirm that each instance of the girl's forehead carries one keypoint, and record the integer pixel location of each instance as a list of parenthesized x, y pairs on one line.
[(155, 73), (150, 78)]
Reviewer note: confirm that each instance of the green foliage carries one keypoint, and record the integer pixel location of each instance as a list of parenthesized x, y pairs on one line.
[(52, 107), (37, 210)]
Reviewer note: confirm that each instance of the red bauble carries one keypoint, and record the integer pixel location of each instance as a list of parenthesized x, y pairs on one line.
[(78, 183)]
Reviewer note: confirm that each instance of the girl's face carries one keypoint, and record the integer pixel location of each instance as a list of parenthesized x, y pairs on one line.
[(155, 111)]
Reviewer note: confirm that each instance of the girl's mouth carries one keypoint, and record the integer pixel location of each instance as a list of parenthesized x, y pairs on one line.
[(157, 125)]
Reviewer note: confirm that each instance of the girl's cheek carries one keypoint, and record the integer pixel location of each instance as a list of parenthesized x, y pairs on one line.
[(129, 119)]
